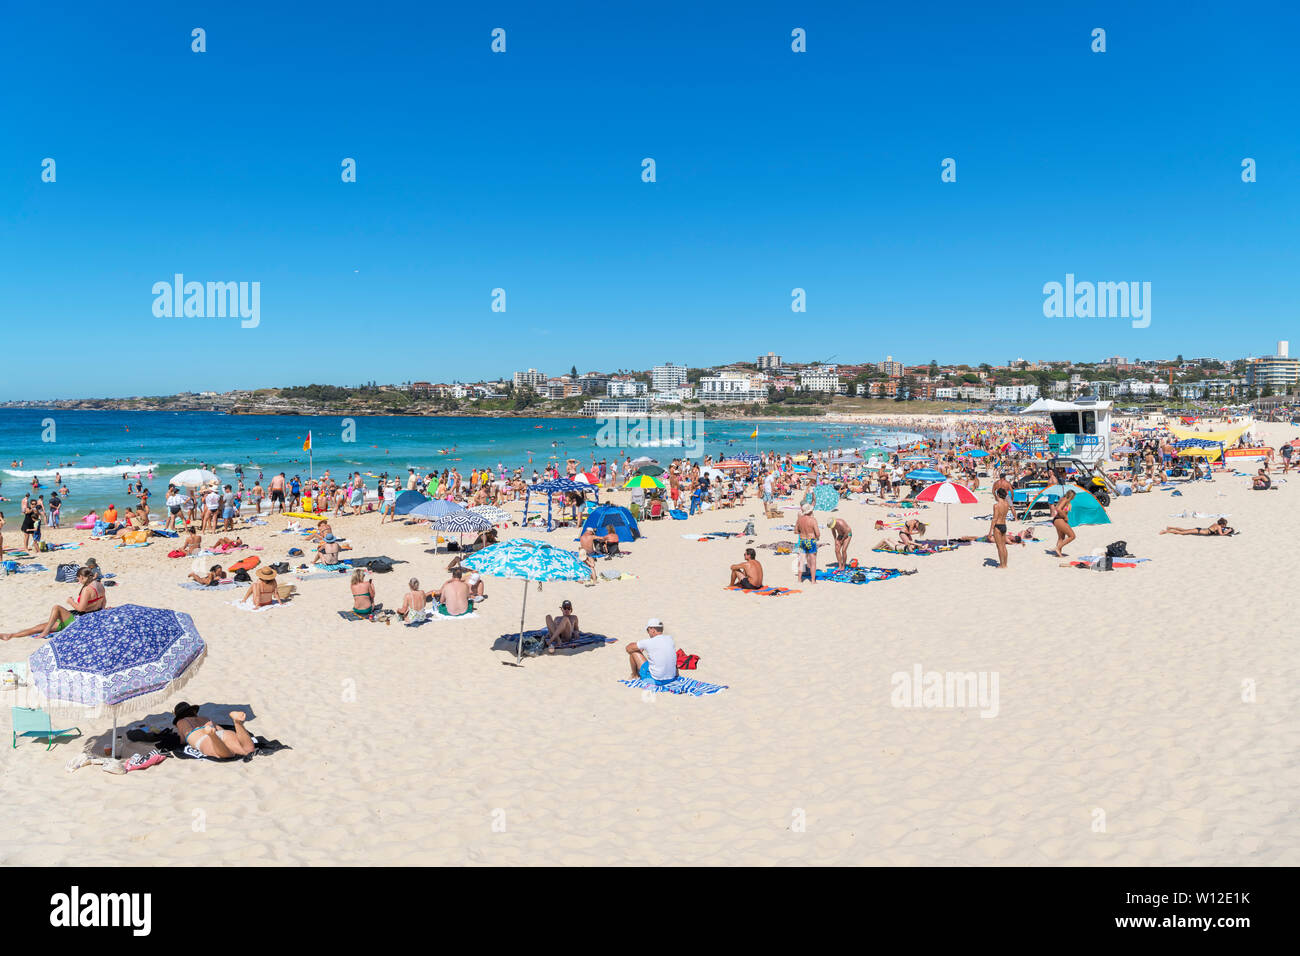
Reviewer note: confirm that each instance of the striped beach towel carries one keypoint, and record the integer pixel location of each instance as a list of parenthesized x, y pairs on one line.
[(765, 591), (682, 685)]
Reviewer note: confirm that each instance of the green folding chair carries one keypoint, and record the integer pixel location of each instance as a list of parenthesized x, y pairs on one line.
[(31, 722)]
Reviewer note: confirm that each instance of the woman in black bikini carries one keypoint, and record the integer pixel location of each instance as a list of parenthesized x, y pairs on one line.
[(998, 526), (1061, 522), (209, 739), (1219, 528)]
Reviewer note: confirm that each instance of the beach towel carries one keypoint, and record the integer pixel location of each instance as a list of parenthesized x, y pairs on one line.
[(144, 544), (677, 514), (848, 575), (221, 586), (249, 607), (64, 547), (23, 568), (170, 743), (325, 571), (680, 685), (766, 591), (535, 641), (923, 552)]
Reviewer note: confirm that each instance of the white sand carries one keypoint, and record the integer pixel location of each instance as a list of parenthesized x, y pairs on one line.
[(1119, 694)]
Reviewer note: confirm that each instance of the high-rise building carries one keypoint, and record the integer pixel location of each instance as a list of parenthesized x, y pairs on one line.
[(890, 367), (532, 378), (769, 361), (666, 378)]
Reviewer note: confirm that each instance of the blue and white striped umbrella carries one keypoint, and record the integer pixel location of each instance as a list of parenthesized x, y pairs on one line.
[(121, 659), (530, 560), (435, 508), (926, 474), (492, 513), (461, 522)]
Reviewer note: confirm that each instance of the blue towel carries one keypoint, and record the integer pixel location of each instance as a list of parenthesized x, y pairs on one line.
[(678, 514), (24, 568), (682, 685)]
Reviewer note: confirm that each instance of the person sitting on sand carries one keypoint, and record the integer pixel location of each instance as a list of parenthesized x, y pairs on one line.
[(89, 599), (654, 657), (748, 574), (328, 552), (193, 543), (413, 603), (1219, 527), (1261, 481), (263, 590), (209, 739), (563, 628), (216, 574), (453, 596), (363, 593)]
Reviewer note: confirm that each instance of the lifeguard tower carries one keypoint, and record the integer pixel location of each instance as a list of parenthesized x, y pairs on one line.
[(1081, 429)]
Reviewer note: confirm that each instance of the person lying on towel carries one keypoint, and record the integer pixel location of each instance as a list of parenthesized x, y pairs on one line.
[(748, 574)]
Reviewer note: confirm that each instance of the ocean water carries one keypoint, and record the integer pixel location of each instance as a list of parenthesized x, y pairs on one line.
[(96, 451)]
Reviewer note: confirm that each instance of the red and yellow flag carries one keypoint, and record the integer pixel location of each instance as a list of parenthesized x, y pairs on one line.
[(306, 446)]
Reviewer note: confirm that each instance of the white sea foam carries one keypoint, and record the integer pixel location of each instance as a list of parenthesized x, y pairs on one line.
[(142, 468)]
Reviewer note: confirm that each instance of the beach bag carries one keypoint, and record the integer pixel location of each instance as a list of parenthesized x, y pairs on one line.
[(242, 576), (380, 565), (1104, 563), (281, 568), (98, 529), (1117, 549), (66, 573)]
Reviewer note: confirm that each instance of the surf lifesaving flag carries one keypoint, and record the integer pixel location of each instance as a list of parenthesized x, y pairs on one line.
[(755, 435), (306, 446)]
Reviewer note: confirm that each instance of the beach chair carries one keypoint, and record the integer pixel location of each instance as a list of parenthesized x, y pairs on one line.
[(30, 722), (656, 509)]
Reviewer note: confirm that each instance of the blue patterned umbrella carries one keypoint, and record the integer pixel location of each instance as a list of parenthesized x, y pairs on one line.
[(122, 659), (529, 560), (825, 498), (461, 522), (554, 486), (926, 474)]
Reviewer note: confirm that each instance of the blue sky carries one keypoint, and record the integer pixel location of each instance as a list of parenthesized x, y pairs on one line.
[(522, 171)]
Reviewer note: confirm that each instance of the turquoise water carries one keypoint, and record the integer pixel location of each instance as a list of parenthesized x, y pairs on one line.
[(94, 450)]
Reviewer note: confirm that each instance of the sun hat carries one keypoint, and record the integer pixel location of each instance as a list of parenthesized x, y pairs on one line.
[(330, 539), (266, 572)]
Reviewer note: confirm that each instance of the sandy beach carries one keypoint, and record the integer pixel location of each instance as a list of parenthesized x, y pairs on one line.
[(1144, 716)]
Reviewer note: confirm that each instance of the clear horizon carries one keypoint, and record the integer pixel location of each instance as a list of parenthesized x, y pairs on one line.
[(522, 171)]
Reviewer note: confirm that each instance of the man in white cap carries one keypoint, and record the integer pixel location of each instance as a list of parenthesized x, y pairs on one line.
[(654, 656)]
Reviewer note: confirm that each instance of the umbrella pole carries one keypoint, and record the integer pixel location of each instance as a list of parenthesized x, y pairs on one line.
[(114, 733), (519, 648)]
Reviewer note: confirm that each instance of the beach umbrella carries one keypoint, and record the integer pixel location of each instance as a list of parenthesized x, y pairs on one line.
[(461, 522), (555, 486), (122, 660), (926, 474), (733, 465), (193, 477), (752, 458), (408, 500), (528, 560), (650, 470), (947, 493), (644, 481), (492, 513), (1124, 450), (825, 498), (435, 508), (846, 460), (977, 453), (643, 460), (587, 478), (1011, 446)]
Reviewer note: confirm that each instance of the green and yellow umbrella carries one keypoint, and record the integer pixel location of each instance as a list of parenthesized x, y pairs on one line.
[(644, 481)]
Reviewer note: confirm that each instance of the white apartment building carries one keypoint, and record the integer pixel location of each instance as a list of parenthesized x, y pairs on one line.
[(530, 379), (625, 388), (820, 380), (974, 393), (1015, 393), (733, 388), (616, 406), (769, 361), (665, 378)]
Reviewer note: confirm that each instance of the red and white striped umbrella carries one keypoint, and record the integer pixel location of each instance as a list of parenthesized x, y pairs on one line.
[(947, 493)]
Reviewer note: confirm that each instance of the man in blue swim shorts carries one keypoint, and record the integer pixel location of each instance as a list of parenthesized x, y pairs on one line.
[(654, 657)]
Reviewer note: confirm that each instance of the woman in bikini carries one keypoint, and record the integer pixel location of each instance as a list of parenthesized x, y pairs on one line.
[(90, 598), (1219, 528), (1061, 522), (363, 593), (263, 590), (216, 574), (209, 739)]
